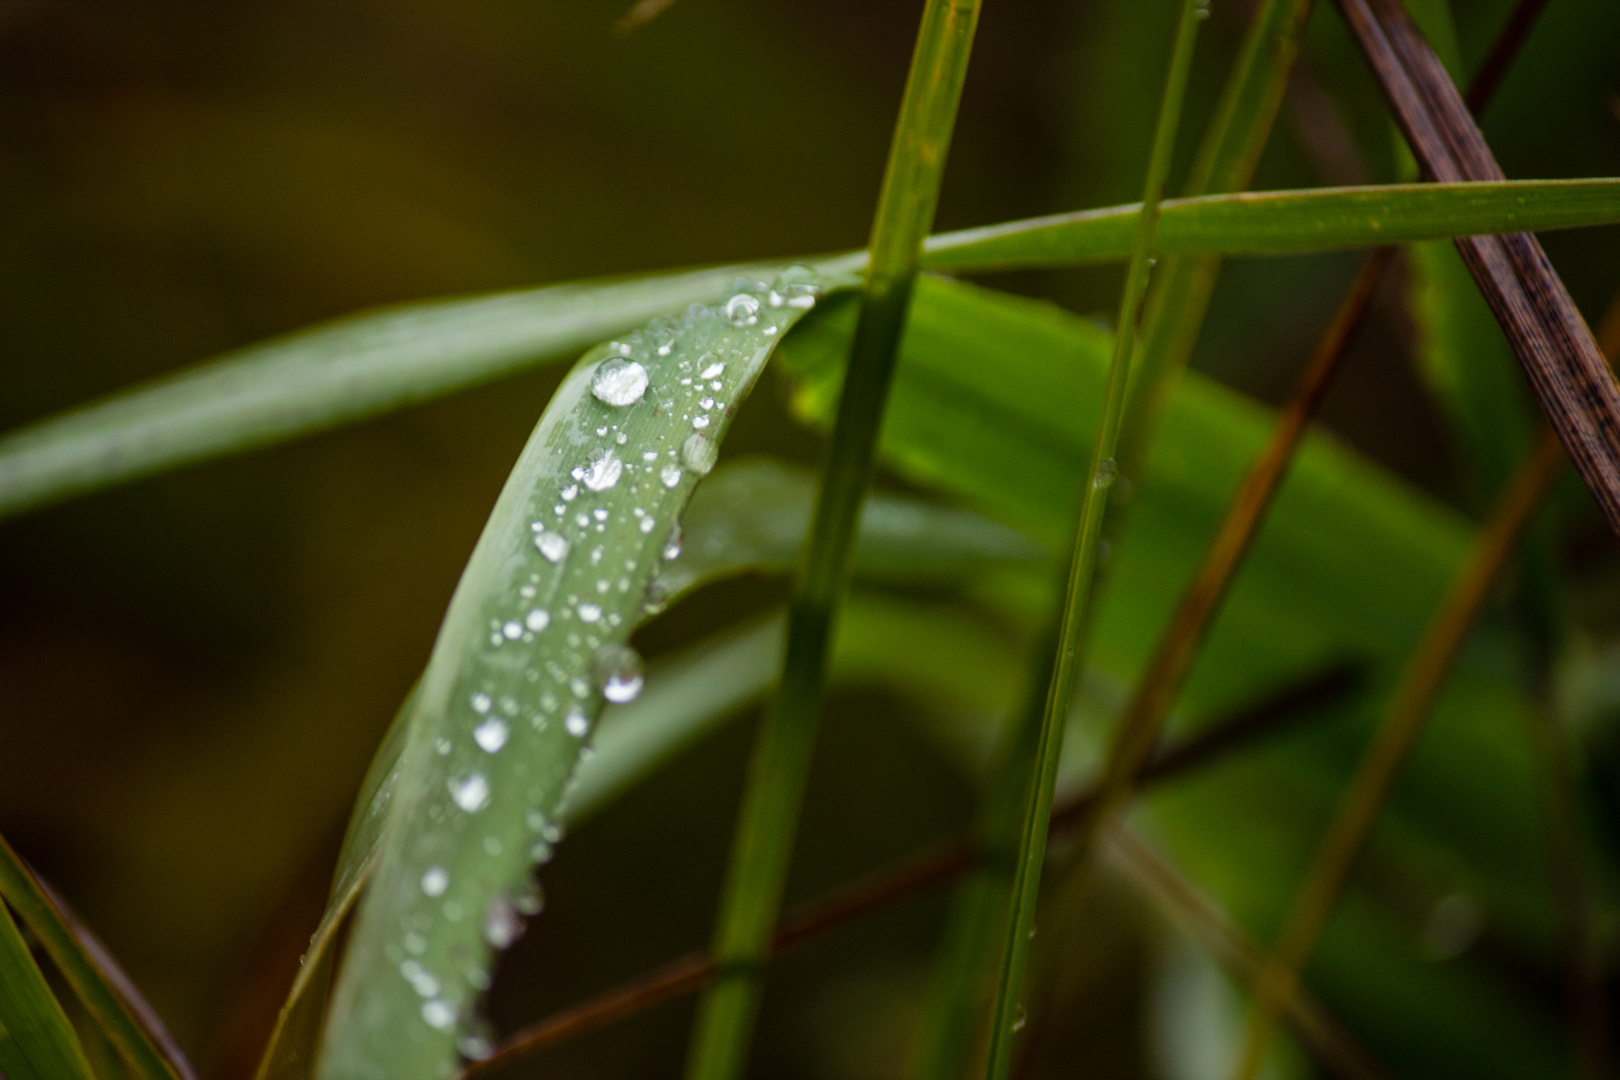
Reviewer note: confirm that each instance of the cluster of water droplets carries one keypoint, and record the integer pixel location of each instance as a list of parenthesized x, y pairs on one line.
[(553, 650)]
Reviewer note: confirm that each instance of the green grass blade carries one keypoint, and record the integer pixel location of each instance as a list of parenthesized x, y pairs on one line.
[(36, 1040), (1226, 162), (1071, 624), (768, 819), (84, 963), (532, 644)]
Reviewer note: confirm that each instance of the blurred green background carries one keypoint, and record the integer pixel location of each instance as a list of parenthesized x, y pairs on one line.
[(194, 670)]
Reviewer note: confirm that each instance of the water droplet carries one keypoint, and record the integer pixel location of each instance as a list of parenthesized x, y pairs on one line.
[(436, 880), (700, 421), (577, 722), (590, 612), (471, 792), (698, 453), (570, 493), (604, 472), (529, 900), (537, 620), (1106, 473), (600, 514), (706, 403), (476, 1046), (619, 382), (512, 630), (502, 924), (742, 310), (670, 475), (554, 546), (649, 456), (672, 546), (646, 525), (421, 980), (618, 672), (439, 1014), (490, 735), (481, 703), (713, 371)]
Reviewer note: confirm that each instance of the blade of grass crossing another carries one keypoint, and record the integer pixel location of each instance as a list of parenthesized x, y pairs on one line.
[(105, 991), (534, 641), (768, 818), (36, 1040), (1071, 626)]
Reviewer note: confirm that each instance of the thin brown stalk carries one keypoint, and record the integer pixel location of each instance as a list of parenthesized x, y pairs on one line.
[(1421, 682), (915, 874), (1508, 41), (1202, 920), (1551, 340)]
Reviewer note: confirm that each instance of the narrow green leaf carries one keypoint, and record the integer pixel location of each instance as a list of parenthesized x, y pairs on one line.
[(36, 1040), (532, 644), (1075, 615), (105, 991), (774, 789)]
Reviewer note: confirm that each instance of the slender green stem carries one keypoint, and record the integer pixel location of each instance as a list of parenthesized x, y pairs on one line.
[(1071, 627), (782, 752)]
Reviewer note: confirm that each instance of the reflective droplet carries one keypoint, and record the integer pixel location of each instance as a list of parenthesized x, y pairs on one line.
[(699, 453), (435, 881), (713, 371), (513, 630), (570, 493), (672, 546), (481, 702), (590, 612), (476, 1046), (604, 472), (700, 421), (439, 1014), (670, 475), (529, 900), (490, 735), (471, 792), (537, 620), (617, 669), (502, 924), (554, 546), (742, 310), (619, 382), (1106, 473), (577, 722)]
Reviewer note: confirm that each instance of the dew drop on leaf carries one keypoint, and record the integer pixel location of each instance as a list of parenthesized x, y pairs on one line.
[(554, 546), (577, 722), (699, 453), (491, 735), (435, 881), (670, 476), (617, 669), (742, 310), (619, 382), (471, 792), (536, 620), (604, 472), (672, 546)]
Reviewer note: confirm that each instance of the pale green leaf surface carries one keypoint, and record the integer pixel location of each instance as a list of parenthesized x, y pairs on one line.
[(36, 1040), (371, 363), (533, 640), (1349, 560)]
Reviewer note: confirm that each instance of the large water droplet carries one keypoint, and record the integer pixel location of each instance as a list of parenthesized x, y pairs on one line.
[(700, 421), (471, 792), (699, 453), (617, 669), (435, 881), (742, 310), (619, 382), (537, 620), (670, 476), (604, 472), (554, 546), (713, 371), (491, 734)]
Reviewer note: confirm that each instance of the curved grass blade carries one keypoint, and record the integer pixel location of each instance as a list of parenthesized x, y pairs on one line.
[(36, 1040), (1073, 619), (532, 644), (780, 765), (111, 1000), (372, 363)]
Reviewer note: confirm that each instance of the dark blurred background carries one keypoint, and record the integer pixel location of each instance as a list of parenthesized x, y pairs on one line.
[(195, 670)]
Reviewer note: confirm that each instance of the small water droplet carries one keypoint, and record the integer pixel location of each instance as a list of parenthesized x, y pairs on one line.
[(481, 702), (618, 672), (713, 371), (577, 722), (537, 620), (706, 403), (570, 493), (672, 546), (700, 421), (600, 514), (471, 792), (699, 453), (604, 472), (742, 310), (1106, 473), (476, 1046), (435, 881), (512, 630), (554, 546), (619, 382), (491, 735), (670, 475), (646, 525), (502, 924), (529, 900), (439, 1014), (590, 612)]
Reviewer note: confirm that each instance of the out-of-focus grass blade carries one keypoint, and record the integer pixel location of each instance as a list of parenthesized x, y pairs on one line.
[(105, 991), (754, 514), (535, 640), (36, 1040), (371, 363), (327, 376)]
